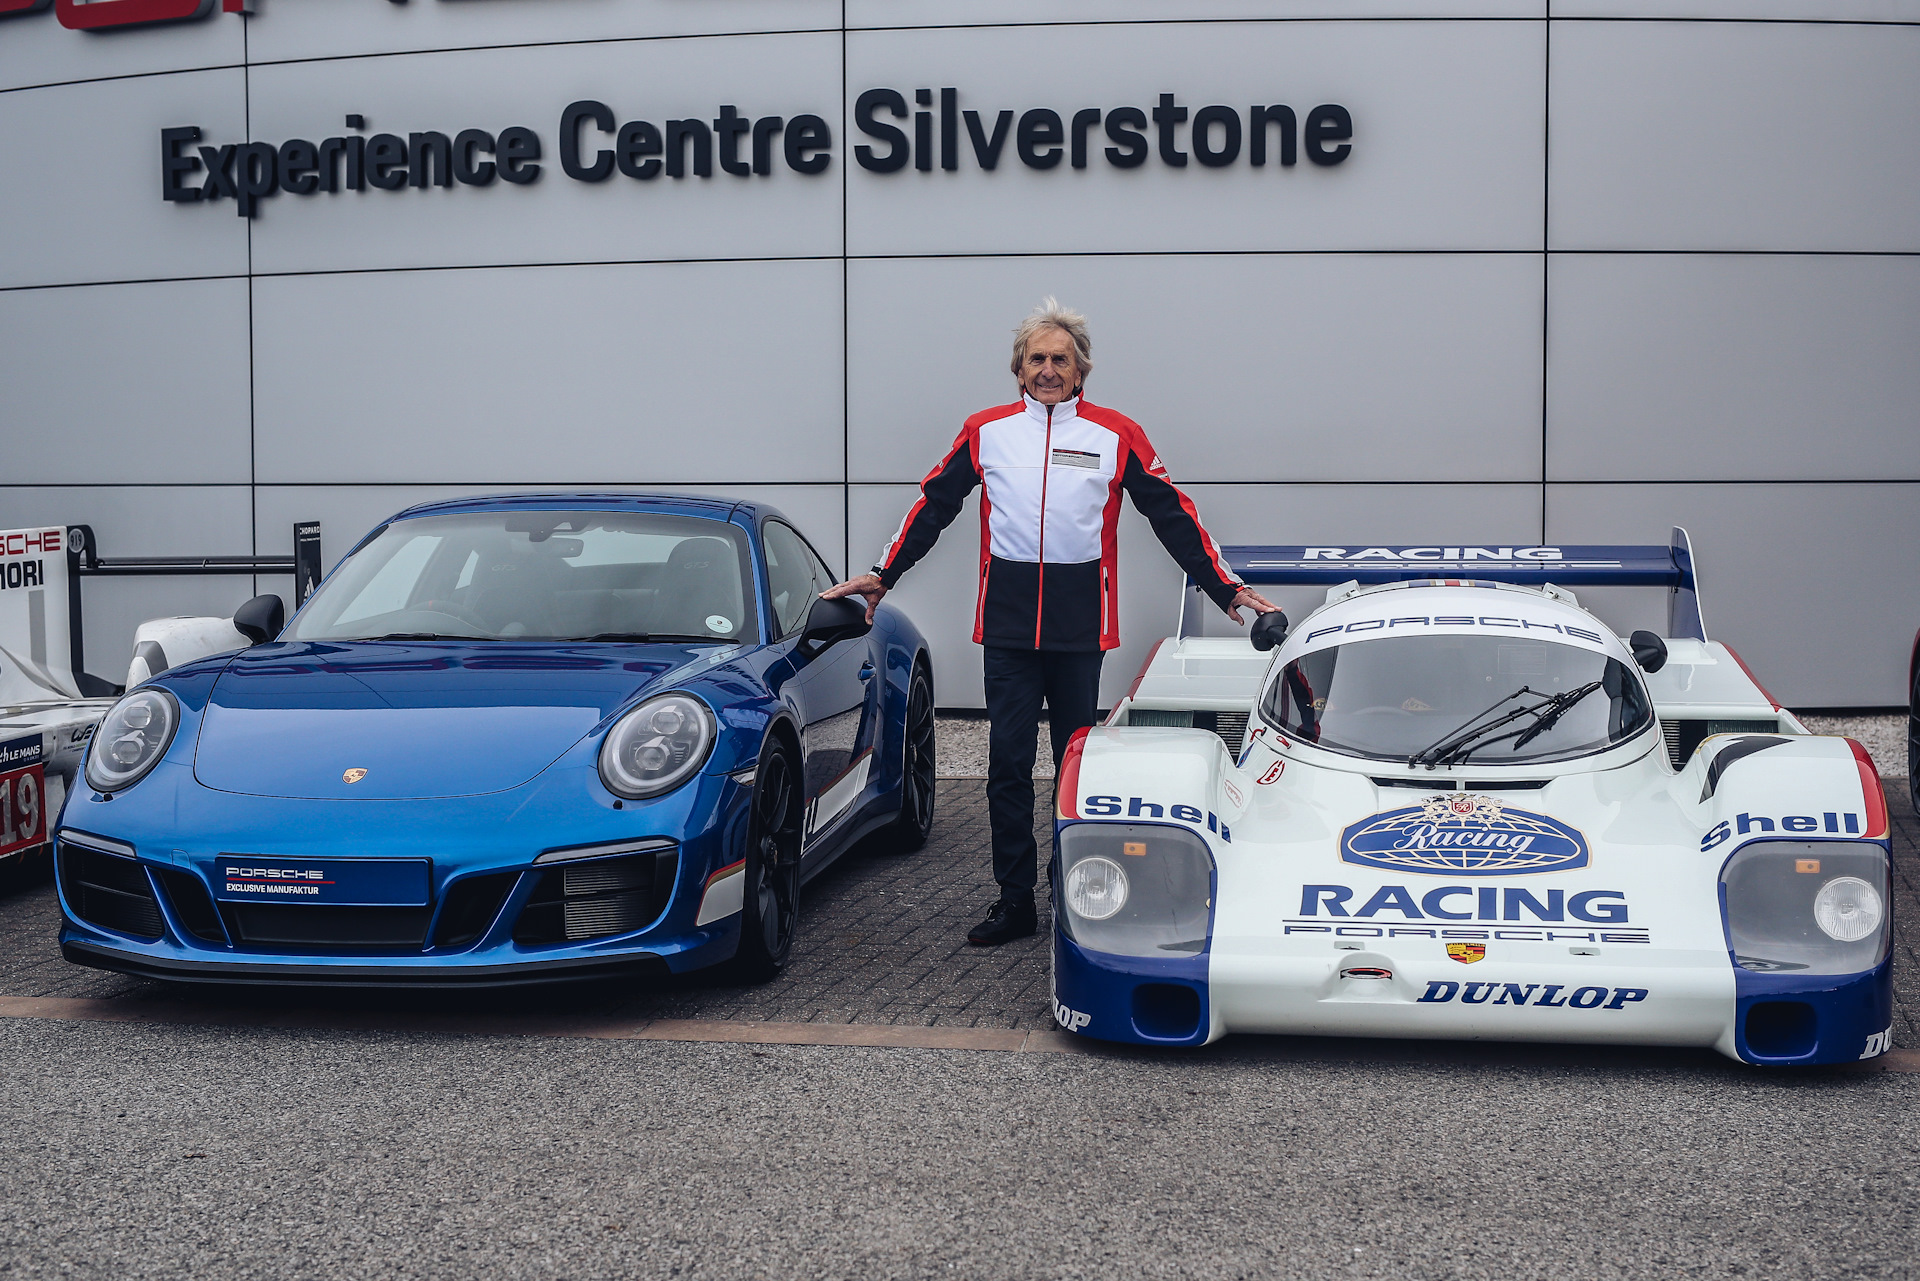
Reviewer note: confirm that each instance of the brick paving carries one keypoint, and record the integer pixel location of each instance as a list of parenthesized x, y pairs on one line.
[(882, 941)]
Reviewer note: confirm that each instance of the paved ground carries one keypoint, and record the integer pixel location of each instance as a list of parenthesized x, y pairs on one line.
[(131, 1150)]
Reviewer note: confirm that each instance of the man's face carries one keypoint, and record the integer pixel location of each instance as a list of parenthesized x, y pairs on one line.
[(1050, 373)]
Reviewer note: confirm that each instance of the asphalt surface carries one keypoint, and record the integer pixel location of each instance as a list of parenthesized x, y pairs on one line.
[(134, 1150)]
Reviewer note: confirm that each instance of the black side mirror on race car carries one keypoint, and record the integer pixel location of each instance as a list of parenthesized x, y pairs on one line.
[(1649, 651), (1269, 630), (831, 621), (260, 619)]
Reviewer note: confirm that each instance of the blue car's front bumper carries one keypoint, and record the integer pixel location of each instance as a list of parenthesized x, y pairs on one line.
[(175, 830)]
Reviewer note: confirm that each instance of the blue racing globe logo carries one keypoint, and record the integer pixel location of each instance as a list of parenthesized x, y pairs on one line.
[(1463, 835)]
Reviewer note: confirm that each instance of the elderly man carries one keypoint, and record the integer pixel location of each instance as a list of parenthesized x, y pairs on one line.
[(1053, 466)]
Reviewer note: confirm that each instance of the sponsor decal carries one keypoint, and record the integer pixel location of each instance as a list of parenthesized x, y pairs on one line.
[(1879, 1043), (1072, 1020), (353, 775), (1467, 953), (351, 882), (1076, 458), (1830, 822), (1274, 771), (1463, 834), (1138, 807), (1503, 621), (1446, 991), (23, 790), (1233, 793), (1467, 903)]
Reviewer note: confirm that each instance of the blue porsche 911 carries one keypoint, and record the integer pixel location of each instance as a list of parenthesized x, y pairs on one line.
[(508, 740)]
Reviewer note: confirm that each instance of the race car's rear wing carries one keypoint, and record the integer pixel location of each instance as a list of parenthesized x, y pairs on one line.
[(41, 620), (1670, 567)]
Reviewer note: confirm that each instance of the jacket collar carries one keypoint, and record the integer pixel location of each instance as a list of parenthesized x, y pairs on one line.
[(1062, 412)]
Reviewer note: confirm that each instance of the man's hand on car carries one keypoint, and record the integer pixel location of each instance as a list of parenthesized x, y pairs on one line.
[(867, 586), (1251, 599)]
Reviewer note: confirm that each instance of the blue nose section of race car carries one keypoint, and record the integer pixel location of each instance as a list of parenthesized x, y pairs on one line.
[(1806, 1019), (1138, 999), (394, 721)]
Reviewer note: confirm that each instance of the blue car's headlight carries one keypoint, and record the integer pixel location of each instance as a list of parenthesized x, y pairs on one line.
[(656, 747), (132, 737)]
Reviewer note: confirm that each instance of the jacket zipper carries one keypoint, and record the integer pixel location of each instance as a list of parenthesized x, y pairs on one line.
[(1046, 467)]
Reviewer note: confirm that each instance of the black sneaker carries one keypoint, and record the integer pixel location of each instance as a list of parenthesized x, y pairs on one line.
[(1006, 922)]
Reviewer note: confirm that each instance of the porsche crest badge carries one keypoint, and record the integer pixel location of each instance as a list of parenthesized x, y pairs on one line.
[(353, 775), (1467, 953)]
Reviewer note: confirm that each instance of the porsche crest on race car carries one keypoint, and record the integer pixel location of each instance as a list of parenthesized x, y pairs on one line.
[(1452, 763)]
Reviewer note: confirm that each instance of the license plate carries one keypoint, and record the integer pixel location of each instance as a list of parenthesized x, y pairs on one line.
[(341, 882), (23, 794)]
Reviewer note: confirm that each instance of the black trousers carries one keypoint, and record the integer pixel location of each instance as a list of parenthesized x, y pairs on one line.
[(1018, 681)]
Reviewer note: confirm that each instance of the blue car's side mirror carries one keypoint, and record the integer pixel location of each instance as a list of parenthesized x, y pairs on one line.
[(260, 619), (831, 621)]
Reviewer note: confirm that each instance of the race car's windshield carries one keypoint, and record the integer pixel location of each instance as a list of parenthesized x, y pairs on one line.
[(1397, 698), (539, 575)]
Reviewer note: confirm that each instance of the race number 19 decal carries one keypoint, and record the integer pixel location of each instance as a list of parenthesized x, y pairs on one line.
[(23, 790)]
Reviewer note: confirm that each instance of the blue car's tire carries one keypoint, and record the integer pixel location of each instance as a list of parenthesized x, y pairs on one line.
[(770, 914), (918, 780)]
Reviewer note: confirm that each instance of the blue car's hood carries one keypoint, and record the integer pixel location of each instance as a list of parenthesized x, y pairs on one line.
[(421, 719)]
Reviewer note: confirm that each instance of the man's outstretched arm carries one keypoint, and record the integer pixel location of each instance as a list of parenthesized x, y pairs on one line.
[(1176, 522), (942, 494)]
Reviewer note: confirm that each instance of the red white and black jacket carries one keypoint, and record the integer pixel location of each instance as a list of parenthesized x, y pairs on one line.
[(1048, 537)]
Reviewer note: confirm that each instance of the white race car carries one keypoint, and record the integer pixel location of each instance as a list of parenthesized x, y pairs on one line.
[(1463, 808)]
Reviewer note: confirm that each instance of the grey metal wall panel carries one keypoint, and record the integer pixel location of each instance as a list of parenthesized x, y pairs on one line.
[(36, 50), (1762, 10), (1816, 585), (1240, 368), (938, 13), (555, 218), (1735, 136), (1756, 367), (939, 592), (653, 374), (345, 28), (143, 520), (126, 384), (82, 196), (1449, 162)]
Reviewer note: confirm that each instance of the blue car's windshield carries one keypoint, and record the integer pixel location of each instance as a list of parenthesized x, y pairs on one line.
[(539, 575)]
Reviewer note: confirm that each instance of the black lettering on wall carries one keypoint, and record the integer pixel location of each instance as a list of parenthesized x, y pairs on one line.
[(430, 153), (174, 166), (680, 132), (219, 163), (726, 132), (468, 145), (805, 134), (639, 142), (571, 119), (987, 150), (386, 162), (298, 160), (519, 148), (1127, 126), (356, 164), (896, 139), (949, 129), (1325, 124), (1167, 117), (256, 174), (328, 162), (1229, 121), (1039, 138), (1083, 120), (763, 130), (923, 132), (1258, 118)]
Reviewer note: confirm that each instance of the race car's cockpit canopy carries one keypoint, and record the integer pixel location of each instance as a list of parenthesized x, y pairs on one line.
[(1465, 693)]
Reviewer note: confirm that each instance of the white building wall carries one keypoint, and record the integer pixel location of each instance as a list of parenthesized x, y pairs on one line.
[(1581, 279)]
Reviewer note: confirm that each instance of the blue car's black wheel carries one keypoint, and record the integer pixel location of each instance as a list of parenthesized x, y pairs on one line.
[(771, 911), (909, 832), (1913, 744)]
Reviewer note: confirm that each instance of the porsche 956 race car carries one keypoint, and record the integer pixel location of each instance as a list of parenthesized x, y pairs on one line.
[(1453, 803), (508, 740)]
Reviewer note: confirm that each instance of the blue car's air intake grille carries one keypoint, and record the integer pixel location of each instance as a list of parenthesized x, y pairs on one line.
[(192, 905), (312, 926), (469, 908), (110, 892), (597, 897)]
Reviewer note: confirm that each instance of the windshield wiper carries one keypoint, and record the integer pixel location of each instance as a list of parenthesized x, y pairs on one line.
[(1469, 738), (407, 636), (642, 638)]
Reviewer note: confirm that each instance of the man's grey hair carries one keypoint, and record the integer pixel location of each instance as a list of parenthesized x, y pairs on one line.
[(1051, 314)]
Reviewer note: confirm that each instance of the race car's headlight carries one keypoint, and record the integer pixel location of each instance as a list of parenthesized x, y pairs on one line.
[(1096, 888), (1135, 889), (1848, 909), (132, 737), (1812, 907), (656, 747)]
